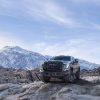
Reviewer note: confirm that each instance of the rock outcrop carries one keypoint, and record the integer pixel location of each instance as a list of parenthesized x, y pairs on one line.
[(51, 91)]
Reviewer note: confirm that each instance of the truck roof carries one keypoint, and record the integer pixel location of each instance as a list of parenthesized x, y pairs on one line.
[(65, 58)]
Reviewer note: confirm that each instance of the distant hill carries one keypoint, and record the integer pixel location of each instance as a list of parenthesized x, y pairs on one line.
[(19, 58), (87, 65)]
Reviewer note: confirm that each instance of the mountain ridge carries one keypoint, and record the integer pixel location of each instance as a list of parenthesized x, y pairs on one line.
[(17, 57)]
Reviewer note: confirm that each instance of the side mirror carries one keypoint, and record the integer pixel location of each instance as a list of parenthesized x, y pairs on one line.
[(76, 60), (72, 62)]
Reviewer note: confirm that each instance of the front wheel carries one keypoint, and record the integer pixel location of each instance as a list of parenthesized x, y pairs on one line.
[(46, 79)]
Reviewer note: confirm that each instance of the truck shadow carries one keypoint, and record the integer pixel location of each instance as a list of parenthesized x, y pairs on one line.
[(83, 82), (77, 82)]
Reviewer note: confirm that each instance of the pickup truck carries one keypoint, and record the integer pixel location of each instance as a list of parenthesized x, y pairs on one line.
[(66, 68)]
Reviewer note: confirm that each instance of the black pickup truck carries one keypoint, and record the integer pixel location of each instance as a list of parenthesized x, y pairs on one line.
[(66, 68)]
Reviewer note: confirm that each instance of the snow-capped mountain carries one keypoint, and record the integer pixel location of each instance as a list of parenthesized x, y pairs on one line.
[(87, 65), (16, 57)]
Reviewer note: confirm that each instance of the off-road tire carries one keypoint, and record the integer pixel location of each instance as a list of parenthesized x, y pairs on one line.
[(72, 76), (78, 74), (65, 79), (45, 79)]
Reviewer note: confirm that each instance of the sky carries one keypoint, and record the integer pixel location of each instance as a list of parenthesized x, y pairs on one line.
[(52, 27)]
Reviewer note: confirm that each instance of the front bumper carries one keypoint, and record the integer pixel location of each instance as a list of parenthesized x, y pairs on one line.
[(54, 74)]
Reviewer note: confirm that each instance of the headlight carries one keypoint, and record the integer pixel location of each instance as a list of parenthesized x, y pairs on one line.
[(65, 67), (41, 69)]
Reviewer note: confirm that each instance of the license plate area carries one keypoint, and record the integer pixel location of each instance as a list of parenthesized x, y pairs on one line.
[(54, 74)]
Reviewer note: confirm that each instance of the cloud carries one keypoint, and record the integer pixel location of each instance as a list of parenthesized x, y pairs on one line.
[(5, 41), (6, 3), (80, 48), (8, 40), (10, 8), (87, 49), (86, 0), (47, 10), (95, 26)]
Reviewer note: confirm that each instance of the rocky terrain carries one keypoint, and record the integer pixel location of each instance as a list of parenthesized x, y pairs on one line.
[(19, 82), (94, 72), (9, 75), (24, 85), (82, 90)]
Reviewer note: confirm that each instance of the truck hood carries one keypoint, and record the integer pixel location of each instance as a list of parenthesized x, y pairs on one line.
[(64, 62)]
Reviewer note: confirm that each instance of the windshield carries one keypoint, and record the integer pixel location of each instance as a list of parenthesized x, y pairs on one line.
[(64, 58)]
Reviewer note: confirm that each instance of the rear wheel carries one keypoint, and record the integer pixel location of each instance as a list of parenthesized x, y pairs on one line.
[(72, 76), (78, 74)]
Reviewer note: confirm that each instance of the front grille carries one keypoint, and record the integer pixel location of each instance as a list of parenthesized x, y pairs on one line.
[(53, 66)]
